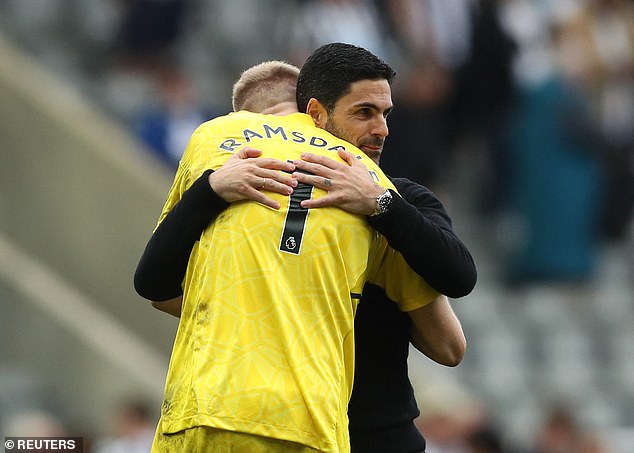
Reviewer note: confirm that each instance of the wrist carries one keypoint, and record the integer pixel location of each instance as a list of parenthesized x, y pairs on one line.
[(383, 203), (219, 187), (211, 179)]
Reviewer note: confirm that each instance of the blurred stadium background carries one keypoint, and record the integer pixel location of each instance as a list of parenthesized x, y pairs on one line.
[(97, 97)]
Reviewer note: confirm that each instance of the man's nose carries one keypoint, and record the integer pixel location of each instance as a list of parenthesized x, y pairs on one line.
[(379, 127)]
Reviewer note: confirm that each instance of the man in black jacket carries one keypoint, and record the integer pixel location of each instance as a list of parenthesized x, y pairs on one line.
[(345, 97)]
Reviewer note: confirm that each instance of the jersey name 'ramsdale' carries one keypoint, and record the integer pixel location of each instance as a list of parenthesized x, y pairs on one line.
[(233, 145)]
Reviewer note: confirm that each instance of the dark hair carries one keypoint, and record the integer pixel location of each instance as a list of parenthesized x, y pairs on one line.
[(330, 70)]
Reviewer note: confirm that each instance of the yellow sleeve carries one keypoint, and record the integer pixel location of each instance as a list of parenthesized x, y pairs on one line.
[(401, 284), (184, 177)]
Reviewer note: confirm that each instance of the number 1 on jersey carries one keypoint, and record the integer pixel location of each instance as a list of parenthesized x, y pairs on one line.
[(295, 222)]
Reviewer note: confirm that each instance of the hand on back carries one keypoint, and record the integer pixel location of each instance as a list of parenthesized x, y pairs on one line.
[(247, 176), (349, 185)]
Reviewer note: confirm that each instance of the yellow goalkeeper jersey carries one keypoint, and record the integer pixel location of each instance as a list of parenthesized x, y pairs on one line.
[(265, 342)]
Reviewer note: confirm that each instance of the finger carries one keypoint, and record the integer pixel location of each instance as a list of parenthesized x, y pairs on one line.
[(322, 160), (265, 200), (279, 177), (274, 164), (271, 185), (350, 158), (315, 169), (247, 152), (313, 180), (266, 185), (322, 202)]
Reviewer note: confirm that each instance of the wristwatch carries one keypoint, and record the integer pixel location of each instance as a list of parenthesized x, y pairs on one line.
[(383, 203)]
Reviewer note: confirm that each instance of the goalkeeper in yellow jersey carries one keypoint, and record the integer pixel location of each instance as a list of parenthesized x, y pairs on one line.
[(264, 351)]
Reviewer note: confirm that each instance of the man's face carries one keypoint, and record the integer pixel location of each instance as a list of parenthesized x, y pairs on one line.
[(360, 117)]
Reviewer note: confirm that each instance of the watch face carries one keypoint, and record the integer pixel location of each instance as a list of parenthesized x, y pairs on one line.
[(385, 201)]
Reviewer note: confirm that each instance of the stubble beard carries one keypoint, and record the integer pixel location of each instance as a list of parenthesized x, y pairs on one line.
[(341, 133)]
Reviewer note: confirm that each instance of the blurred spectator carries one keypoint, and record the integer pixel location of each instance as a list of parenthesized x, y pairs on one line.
[(167, 123), (556, 189), (484, 440), (598, 47), (319, 22), (456, 85), (132, 430), (418, 145), (562, 433), (483, 98), (439, 30), (149, 30), (145, 41), (35, 423)]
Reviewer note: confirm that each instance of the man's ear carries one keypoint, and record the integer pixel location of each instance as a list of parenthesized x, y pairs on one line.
[(317, 112)]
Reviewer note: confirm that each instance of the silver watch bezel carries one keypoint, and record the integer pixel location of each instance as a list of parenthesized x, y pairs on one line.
[(383, 203)]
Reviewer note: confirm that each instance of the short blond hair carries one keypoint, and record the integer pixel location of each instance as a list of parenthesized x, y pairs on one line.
[(264, 85)]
